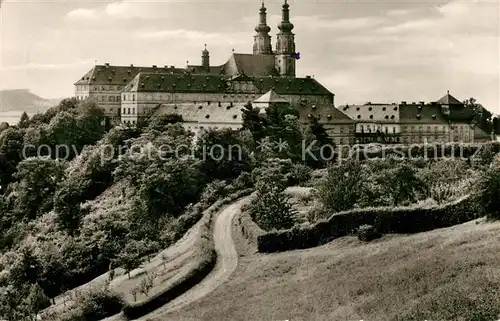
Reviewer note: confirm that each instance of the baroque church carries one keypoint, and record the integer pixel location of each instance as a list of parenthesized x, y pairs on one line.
[(208, 96)]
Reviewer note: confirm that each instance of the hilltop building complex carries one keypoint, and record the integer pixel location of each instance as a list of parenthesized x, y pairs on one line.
[(208, 96)]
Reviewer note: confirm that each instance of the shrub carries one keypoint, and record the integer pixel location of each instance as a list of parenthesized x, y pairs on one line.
[(367, 233), (490, 186), (97, 305), (299, 174), (341, 188), (272, 208), (404, 185), (213, 191)]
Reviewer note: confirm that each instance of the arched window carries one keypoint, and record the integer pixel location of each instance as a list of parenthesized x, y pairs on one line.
[(133, 97)]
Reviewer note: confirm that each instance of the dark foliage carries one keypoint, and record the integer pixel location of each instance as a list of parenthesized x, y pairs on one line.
[(384, 219)]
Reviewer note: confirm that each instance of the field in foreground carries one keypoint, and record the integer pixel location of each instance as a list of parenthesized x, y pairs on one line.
[(445, 274)]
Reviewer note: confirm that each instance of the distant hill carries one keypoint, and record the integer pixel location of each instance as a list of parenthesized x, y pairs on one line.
[(24, 100)]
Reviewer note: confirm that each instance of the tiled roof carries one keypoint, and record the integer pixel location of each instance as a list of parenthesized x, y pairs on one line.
[(215, 113), (164, 82), (271, 97), (291, 86), (251, 65), (216, 70), (463, 114), (425, 114), (333, 115), (448, 100), (121, 75)]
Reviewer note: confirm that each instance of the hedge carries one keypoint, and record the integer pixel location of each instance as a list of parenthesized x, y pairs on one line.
[(249, 229), (384, 219), (206, 262)]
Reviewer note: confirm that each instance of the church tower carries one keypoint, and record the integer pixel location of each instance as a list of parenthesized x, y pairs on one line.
[(205, 59), (262, 40), (285, 45)]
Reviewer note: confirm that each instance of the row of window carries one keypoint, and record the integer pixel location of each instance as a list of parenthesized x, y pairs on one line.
[(128, 111), (98, 87), (375, 128), (429, 128)]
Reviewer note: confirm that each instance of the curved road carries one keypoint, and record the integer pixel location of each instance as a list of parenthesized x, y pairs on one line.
[(227, 261)]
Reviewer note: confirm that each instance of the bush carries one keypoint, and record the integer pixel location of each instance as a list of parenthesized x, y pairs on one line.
[(341, 188), (213, 191), (96, 305), (299, 174), (367, 233), (490, 186), (272, 208)]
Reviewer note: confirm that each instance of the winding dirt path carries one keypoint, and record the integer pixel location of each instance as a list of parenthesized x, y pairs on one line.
[(227, 261)]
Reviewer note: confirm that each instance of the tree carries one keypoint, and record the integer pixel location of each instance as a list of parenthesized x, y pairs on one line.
[(3, 126), (130, 257), (341, 188), (223, 153), (36, 300), (272, 208), (11, 146), (67, 201), (404, 185), (482, 117), (160, 122), (37, 180), (252, 121), (24, 122), (322, 146)]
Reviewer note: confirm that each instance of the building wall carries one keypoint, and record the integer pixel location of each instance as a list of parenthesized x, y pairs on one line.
[(142, 103), (341, 133), (436, 133), (108, 97)]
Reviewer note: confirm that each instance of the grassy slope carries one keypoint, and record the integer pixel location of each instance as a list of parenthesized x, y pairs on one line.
[(446, 274)]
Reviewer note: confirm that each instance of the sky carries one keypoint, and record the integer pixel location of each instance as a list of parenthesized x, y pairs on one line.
[(378, 51)]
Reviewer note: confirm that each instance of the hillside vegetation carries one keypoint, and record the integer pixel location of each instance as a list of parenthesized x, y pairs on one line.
[(78, 199)]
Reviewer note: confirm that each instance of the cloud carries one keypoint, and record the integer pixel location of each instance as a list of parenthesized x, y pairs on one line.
[(453, 46), (323, 22), (41, 66), (82, 13), (124, 9), (398, 12), (193, 36)]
